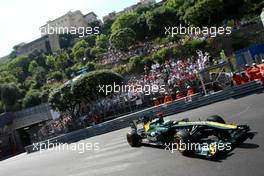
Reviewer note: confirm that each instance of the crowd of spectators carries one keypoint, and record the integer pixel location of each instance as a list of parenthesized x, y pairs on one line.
[(177, 76), (254, 72), (114, 56)]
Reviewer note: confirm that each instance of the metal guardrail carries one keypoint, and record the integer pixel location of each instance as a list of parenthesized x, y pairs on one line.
[(173, 108)]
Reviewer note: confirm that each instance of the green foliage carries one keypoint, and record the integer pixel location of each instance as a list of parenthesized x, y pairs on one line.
[(62, 99), (39, 57), (32, 67), (87, 86), (189, 48), (97, 51), (162, 55), (6, 77), (10, 93), (68, 97), (204, 12), (102, 41), (46, 90), (91, 40), (126, 20), (62, 60), (160, 18), (123, 39), (57, 76), (79, 50), (19, 67), (135, 65), (31, 99), (40, 76), (51, 61), (90, 66), (106, 28)]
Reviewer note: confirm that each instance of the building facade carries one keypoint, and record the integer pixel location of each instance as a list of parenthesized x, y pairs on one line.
[(46, 44), (71, 19)]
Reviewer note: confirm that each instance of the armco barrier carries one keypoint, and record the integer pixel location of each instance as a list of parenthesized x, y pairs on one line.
[(175, 107)]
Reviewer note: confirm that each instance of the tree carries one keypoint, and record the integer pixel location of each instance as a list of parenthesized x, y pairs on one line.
[(95, 52), (160, 18), (6, 77), (102, 41), (90, 66), (68, 97), (10, 93), (62, 99), (32, 66), (40, 76), (180, 7), (106, 28), (126, 20), (57, 76), (204, 12), (62, 60), (123, 38), (39, 56), (19, 67), (79, 50), (141, 29), (51, 61), (87, 87), (31, 99), (90, 40)]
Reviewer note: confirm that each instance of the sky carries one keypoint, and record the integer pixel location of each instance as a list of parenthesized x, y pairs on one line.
[(21, 19)]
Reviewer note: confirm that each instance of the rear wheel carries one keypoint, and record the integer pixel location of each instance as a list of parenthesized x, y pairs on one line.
[(221, 134), (133, 139), (216, 118), (182, 140)]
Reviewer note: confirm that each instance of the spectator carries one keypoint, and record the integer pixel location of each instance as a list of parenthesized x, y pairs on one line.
[(167, 98), (190, 91), (248, 72), (237, 79), (156, 102), (244, 78), (179, 95), (255, 72)]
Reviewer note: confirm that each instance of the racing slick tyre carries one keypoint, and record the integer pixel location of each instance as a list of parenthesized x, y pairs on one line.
[(133, 139), (220, 134), (182, 139), (216, 118)]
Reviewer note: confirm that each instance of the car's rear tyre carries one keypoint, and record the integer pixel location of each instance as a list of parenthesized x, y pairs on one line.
[(216, 118), (221, 134), (133, 139), (182, 140)]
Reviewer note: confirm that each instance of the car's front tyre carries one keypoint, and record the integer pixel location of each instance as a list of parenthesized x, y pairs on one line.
[(182, 139), (133, 139)]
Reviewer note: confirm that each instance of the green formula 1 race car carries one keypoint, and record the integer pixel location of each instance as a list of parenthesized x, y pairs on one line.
[(204, 138)]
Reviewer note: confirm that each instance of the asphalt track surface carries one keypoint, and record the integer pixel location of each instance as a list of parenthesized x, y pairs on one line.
[(116, 158)]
